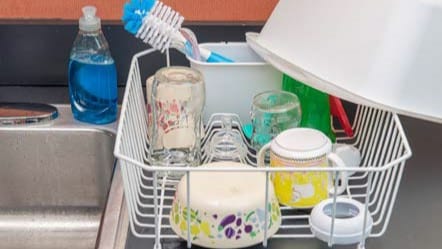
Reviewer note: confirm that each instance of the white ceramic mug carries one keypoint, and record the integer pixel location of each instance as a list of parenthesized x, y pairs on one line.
[(303, 147)]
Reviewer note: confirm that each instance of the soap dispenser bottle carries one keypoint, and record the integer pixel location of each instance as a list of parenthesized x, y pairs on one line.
[(92, 73)]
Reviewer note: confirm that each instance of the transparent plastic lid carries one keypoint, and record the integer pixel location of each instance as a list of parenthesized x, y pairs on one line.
[(89, 21), (227, 144)]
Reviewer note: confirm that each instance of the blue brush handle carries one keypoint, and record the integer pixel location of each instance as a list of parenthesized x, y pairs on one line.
[(135, 10), (214, 57), (206, 55)]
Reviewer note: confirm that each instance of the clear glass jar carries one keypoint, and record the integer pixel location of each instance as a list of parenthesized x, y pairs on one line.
[(177, 102), (272, 113)]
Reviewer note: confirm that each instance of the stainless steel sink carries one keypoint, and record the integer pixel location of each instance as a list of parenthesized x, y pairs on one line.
[(54, 185)]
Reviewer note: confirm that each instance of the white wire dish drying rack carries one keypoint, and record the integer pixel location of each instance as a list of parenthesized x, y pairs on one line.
[(378, 134)]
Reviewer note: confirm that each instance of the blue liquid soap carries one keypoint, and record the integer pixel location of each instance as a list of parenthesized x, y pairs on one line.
[(93, 91), (92, 73)]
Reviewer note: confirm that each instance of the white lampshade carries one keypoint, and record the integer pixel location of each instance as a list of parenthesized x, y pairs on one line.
[(382, 53)]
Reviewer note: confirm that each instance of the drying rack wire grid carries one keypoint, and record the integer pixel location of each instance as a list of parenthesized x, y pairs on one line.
[(378, 134)]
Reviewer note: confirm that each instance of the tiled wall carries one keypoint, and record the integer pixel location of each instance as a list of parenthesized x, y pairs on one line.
[(38, 54), (34, 57)]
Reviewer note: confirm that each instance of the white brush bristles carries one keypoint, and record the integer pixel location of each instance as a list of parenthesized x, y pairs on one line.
[(159, 26)]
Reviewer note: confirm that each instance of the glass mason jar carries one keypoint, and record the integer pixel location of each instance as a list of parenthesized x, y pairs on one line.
[(272, 113), (177, 101)]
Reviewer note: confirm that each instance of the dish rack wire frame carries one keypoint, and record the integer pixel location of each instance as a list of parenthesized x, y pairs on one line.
[(378, 134)]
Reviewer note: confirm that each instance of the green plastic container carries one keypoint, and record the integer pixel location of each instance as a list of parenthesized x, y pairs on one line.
[(315, 106)]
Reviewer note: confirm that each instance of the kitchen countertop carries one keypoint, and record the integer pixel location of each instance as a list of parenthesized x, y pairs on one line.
[(416, 221)]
